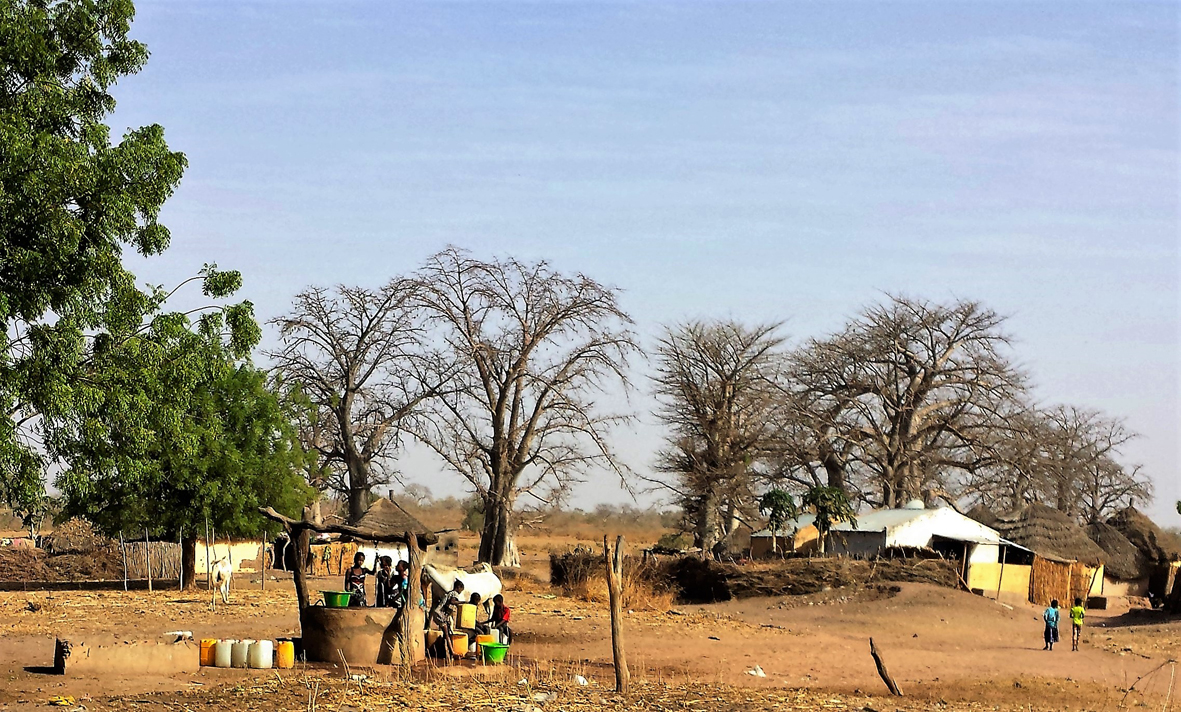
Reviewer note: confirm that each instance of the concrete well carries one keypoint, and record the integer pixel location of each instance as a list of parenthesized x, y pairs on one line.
[(365, 636)]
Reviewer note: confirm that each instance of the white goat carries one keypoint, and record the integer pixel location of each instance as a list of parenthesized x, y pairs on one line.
[(222, 569)]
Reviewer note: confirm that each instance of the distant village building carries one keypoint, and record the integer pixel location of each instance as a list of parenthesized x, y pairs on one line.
[(1126, 570), (798, 536), (1066, 563), (1160, 549)]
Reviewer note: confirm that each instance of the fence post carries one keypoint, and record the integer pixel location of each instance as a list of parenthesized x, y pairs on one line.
[(262, 558), (148, 558), (180, 544), (615, 594), (230, 558), (123, 551), (209, 569)]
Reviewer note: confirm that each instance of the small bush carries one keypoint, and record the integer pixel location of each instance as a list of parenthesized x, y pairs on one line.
[(677, 542)]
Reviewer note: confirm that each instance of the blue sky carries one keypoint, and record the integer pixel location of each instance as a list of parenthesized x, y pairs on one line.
[(758, 160)]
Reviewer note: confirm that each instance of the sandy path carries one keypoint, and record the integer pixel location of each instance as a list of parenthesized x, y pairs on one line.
[(928, 634)]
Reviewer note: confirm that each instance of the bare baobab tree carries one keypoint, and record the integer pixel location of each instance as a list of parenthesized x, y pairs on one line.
[(357, 355), (717, 384), (531, 348), (909, 392), (1066, 457)]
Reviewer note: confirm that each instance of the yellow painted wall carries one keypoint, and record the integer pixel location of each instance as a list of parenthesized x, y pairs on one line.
[(986, 576), (806, 540), (1114, 588), (1096, 577)]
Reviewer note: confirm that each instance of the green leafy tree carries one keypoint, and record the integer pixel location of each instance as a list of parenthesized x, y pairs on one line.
[(180, 431), (778, 506), (831, 507), (70, 202)]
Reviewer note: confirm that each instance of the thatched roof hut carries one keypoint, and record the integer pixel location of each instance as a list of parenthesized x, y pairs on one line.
[(1049, 533), (1124, 561), (386, 517), (982, 514), (1155, 544)]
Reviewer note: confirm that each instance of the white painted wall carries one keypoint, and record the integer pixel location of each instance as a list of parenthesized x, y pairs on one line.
[(919, 532), (945, 522), (985, 554)]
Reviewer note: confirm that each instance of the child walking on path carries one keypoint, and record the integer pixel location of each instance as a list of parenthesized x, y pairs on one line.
[(1076, 623), (1051, 618)]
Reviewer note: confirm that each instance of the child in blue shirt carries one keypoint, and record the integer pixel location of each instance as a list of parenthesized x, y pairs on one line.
[(1051, 618)]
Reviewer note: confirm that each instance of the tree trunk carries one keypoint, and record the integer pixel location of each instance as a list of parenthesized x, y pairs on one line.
[(705, 534), (496, 537), (188, 561), (358, 490), (834, 467)]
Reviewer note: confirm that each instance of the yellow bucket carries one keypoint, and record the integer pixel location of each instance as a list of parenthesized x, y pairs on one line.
[(467, 616), (459, 644), (482, 639), (206, 656), (285, 657)]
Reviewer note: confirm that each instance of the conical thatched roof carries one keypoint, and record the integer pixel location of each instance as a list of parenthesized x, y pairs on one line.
[(386, 517), (1156, 545), (1049, 533), (1124, 561), (982, 514)]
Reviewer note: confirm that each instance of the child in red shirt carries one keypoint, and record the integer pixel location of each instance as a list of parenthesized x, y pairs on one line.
[(501, 615)]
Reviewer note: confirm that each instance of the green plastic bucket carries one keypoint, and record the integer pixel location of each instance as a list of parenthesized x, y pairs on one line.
[(336, 599), (493, 652)]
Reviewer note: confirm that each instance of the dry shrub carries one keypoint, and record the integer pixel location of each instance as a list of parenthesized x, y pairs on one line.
[(640, 591), (518, 579)]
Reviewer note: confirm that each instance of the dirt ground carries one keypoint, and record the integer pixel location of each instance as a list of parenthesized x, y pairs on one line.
[(947, 649), (940, 644)]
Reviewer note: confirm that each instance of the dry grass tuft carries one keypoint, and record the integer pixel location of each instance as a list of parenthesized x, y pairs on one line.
[(638, 592)]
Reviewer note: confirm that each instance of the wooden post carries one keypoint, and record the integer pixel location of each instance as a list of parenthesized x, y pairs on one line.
[(877, 660), (230, 558), (180, 543), (1091, 584), (615, 593), (302, 542), (262, 558), (1000, 580), (148, 558), (123, 551), (209, 569), (411, 624)]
